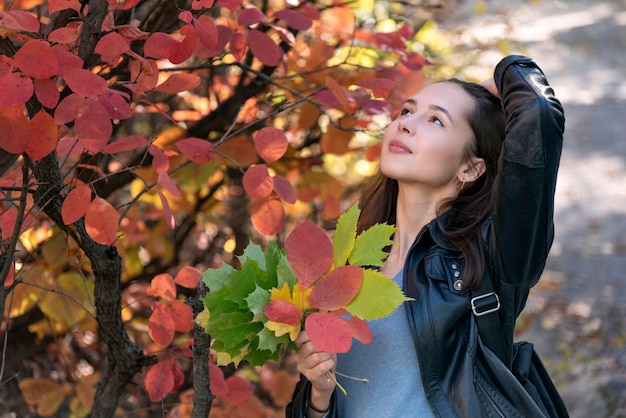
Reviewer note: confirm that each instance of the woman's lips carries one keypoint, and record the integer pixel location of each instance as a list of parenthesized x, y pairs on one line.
[(398, 147)]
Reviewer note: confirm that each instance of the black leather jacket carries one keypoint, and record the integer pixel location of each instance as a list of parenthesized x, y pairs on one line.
[(519, 235)]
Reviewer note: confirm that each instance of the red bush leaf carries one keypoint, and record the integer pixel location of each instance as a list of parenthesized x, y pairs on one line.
[(167, 212), (198, 150), (15, 134), (188, 277), (43, 136), (158, 45), (162, 286), (27, 21), (294, 19), (168, 184), (67, 60), (285, 190), (68, 109), (93, 126), (16, 89), (207, 31), (84, 82), (179, 54), (179, 82), (231, 5), (264, 48), (115, 104), (271, 143), (65, 35), (127, 143), (159, 381), (76, 204), (309, 252), (160, 161), (340, 92), (199, 4), (47, 92), (238, 45), (145, 74), (250, 16), (219, 387), (58, 5), (337, 289), (328, 332), (182, 315), (161, 326), (239, 390), (224, 33), (36, 59), (268, 215), (122, 4), (360, 330), (380, 86), (282, 311), (101, 221), (257, 181)]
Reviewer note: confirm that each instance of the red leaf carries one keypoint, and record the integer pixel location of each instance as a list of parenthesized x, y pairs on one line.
[(336, 289), (127, 143), (167, 212), (160, 161), (179, 82), (250, 16), (294, 19), (185, 49), (159, 44), (268, 215), (101, 222), (43, 136), (145, 74), (122, 4), (271, 143), (207, 31), (239, 390), (84, 82), (166, 182), (257, 181), (68, 109), (186, 16), (200, 151), (36, 59), (309, 252), (182, 315), (159, 381), (264, 48), (219, 387), (161, 326), (12, 112), (8, 219), (282, 311), (380, 86), (340, 92), (27, 21), (65, 35), (188, 277), (132, 33), (67, 60), (162, 286), (360, 329), (76, 204), (116, 106), (199, 4), (93, 126), (231, 5), (15, 134), (238, 45), (224, 33), (285, 190), (328, 332), (16, 89), (58, 5), (69, 146), (47, 92)]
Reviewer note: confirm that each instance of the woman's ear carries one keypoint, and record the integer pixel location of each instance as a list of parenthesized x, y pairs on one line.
[(473, 170)]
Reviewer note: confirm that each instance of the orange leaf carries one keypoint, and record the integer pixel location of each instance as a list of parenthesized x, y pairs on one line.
[(282, 311), (76, 204), (159, 380), (264, 48), (188, 277), (47, 92), (16, 89), (101, 222), (340, 92), (337, 289), (36, 59), (179, 82), (161, 325), (360, 330), (167, 211), (239, 390), (43, 136), (199, 151), (182, 315), (328, 332), (268, 215), (309, 252), (15, 134), (162, 286), (271, 143), (285, 190), (257, 181), (44, 394)]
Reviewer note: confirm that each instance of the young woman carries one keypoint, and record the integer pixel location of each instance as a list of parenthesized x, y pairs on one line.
[(467, 174)]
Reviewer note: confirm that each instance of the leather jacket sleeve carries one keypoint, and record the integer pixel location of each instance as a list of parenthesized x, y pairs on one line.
[(523, 196), (298, 406)]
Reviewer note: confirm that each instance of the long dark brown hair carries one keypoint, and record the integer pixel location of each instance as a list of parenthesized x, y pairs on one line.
[(465, 213)]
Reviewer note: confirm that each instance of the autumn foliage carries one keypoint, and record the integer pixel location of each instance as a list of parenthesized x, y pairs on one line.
[(143, 142)]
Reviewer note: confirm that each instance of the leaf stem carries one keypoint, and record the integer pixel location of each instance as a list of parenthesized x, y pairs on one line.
[(331, 375)]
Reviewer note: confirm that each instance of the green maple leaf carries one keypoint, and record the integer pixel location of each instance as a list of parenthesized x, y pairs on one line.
[(272, 258), (378, 297), (369, 246), (253, 252), (233, 328), (215, 278), (256, 302), (285, 273), (345, 234), (269, 341), (257, 356), (243, 282)]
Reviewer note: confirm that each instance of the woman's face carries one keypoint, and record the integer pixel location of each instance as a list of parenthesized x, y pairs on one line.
[(427, 142)]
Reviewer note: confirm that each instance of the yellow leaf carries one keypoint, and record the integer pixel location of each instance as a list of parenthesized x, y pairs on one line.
[(26, 296), (44, 394), (75, 294), (86, 390), (55, 250), (281, 329)]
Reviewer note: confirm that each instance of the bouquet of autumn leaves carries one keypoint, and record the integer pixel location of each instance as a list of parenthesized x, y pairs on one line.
[(328, 288)]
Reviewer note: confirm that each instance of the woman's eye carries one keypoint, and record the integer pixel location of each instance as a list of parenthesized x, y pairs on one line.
[(405, 112), (436, 120)]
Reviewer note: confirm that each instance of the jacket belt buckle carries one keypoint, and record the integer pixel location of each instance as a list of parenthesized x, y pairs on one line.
[(481, 306)]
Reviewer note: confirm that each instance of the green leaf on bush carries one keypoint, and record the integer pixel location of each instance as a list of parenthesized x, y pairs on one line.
[(378, 297), (369, 245), (345, 233)]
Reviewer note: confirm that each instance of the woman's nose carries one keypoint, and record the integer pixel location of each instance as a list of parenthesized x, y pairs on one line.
[(405, 125)]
